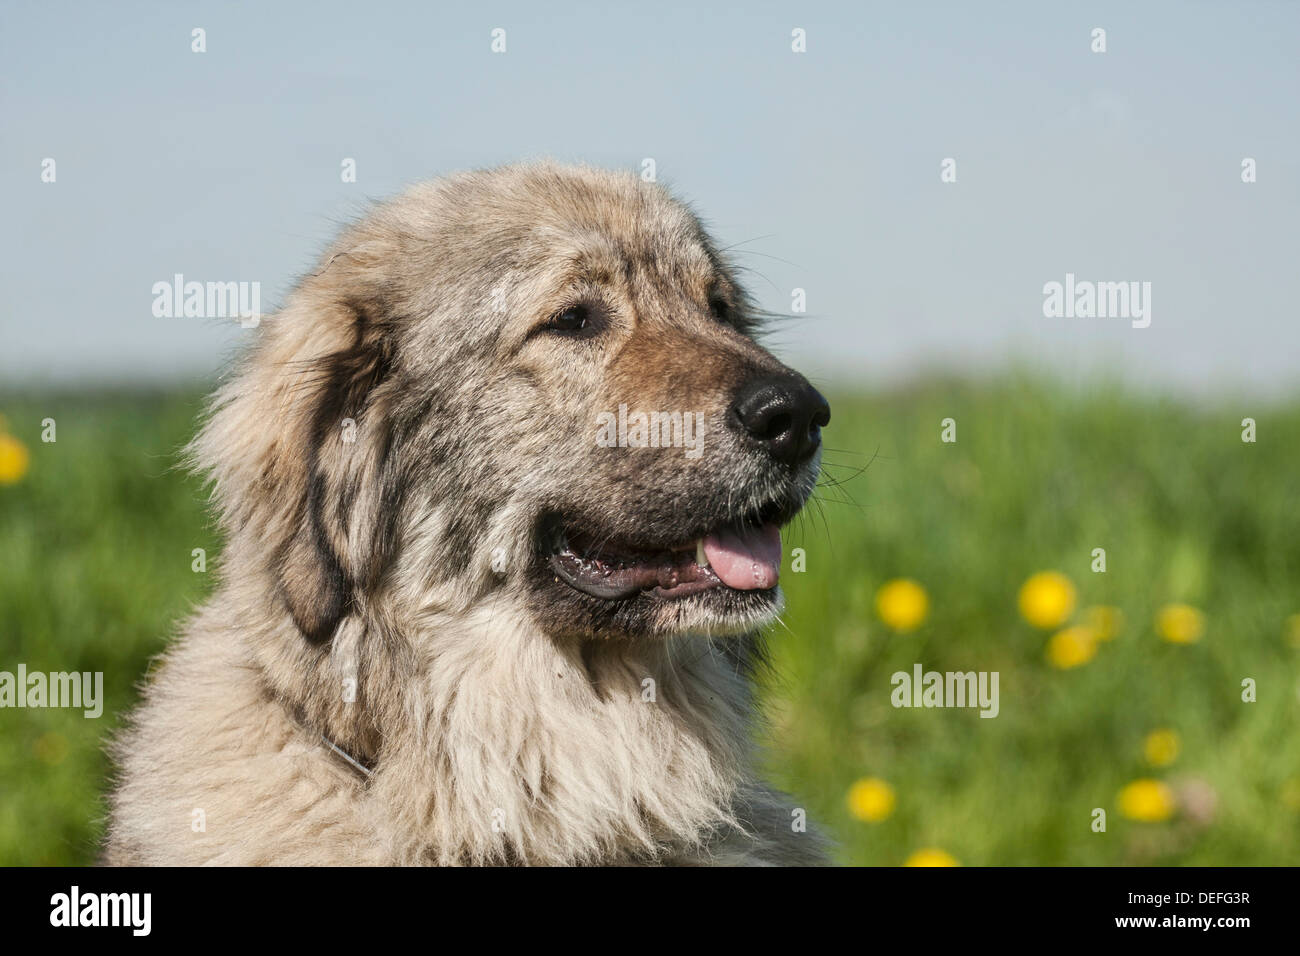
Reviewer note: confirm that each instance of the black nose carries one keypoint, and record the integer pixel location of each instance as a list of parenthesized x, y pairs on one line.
[(785, 414)]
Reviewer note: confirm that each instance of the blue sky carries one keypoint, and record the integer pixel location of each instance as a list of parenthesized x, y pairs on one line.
[(1118, 166)]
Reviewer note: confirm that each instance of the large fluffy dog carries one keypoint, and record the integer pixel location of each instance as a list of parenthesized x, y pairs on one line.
[(501, 488)]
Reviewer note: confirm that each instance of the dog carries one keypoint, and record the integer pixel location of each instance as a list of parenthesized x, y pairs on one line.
[(501, 489)]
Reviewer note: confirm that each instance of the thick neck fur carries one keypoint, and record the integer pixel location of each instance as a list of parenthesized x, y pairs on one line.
[(494, 743)]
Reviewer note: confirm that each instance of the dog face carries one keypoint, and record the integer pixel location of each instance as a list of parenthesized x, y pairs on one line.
[(539, 381)]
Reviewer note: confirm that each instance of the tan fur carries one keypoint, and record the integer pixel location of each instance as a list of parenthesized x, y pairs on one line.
[(497, 733)]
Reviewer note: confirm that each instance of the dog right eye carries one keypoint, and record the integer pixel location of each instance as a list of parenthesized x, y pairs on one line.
[(577, 321), (572, 319)]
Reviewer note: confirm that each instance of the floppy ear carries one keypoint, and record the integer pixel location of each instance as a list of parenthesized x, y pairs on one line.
[(296, 448), (313, 584), (336, 546)]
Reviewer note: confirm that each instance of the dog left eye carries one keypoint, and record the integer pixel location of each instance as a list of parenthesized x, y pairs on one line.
[(720, 308)]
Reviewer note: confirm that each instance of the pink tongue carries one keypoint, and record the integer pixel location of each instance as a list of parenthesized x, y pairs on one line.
[(748, 559)]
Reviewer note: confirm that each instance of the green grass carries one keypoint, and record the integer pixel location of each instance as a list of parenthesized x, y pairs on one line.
[(96, 569), (96, 572), (1037, 478)]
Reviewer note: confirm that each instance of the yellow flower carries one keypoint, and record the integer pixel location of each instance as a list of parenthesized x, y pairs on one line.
[(1180, 624), (871, 800), (1047, 599), (1293, 631), (1161, 747), (1147, 800), (1105, 621), (902, 604), (13, 460), (931, 857), (1071, 647)]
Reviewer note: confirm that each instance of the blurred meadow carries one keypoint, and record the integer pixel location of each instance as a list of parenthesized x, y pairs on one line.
[(1119, 690)]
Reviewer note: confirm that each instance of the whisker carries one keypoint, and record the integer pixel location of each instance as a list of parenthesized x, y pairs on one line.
[(745, 242), (751, 252)]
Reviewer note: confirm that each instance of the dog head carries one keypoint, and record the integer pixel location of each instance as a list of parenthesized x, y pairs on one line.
[(540, 381)]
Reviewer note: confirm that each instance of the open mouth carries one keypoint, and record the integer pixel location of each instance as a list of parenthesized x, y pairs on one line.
[(742, 556)]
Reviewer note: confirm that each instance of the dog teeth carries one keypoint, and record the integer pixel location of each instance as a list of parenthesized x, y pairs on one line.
[(701, 558)]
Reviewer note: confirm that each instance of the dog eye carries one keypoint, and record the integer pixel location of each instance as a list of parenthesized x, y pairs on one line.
[(720, 308), (580, 321), (572, 319)]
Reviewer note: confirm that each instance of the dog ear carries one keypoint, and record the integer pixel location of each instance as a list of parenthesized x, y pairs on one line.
[(313, 584), (295, 449), (333, 547)]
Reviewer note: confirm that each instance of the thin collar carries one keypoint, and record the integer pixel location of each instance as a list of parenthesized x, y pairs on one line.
[(354, 763)]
